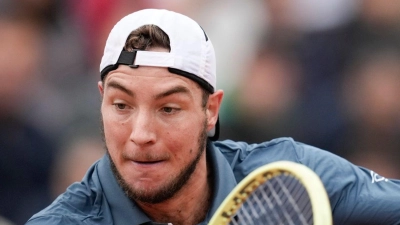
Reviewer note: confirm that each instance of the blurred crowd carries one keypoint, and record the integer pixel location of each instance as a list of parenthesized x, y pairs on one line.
[(326, 73)]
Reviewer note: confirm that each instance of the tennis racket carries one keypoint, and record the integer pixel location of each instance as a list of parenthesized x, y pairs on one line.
[(282, 192)]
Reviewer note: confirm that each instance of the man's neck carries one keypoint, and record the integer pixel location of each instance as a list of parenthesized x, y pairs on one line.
[(189, 205)]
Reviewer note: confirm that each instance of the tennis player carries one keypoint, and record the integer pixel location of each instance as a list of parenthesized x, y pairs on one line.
[(163, 163)]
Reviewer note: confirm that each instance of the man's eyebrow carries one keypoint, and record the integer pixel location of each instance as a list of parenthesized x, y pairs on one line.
[(116, 85), (174, 90)]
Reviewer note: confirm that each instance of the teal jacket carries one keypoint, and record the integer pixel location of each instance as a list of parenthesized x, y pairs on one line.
[(357, 195)]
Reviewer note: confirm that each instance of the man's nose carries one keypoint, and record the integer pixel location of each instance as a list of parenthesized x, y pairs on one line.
[(143, 128)]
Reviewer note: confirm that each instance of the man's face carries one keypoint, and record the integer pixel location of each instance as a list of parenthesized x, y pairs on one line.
[(155, 130)]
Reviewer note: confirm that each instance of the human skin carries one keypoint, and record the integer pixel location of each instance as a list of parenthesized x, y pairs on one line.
[(152, 122)]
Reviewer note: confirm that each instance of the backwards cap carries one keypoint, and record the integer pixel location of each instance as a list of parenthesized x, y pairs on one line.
[(192, 54)]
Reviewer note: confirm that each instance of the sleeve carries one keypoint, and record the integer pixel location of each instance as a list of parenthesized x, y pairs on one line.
[(357, 195), (53, 220)]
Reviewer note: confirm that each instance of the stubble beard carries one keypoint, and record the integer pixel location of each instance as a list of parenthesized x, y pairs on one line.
[(167, 190)]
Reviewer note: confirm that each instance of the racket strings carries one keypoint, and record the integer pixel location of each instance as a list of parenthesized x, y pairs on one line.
[(280, 200)]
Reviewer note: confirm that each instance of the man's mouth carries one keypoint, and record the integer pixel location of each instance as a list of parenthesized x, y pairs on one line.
[(147, 162)]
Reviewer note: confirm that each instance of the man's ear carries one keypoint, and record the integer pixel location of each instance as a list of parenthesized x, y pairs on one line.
[(213, 106), (101, 88)]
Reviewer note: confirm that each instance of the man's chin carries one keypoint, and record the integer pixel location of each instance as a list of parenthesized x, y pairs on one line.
[(150, 194), (146, 187)]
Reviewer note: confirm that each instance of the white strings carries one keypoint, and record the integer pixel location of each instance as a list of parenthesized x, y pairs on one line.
[(280, 200)]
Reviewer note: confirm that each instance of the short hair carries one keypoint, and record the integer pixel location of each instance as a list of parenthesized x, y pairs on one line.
[(146, 37)]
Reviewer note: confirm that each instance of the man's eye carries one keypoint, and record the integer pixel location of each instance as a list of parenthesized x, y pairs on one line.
[(170, 110), (120, 106)]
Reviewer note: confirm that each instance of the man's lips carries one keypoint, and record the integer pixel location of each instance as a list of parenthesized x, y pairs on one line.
[(147, 162), (147, 166)]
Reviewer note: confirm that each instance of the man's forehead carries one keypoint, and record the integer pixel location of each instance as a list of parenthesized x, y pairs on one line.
[(161, 78)]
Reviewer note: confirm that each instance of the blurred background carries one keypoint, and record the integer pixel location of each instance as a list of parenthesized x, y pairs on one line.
[(326, 73)]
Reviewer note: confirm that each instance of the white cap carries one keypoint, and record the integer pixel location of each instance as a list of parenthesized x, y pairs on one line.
[(192, 54)]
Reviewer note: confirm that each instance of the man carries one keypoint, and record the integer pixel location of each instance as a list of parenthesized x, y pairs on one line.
[(163, 164)]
